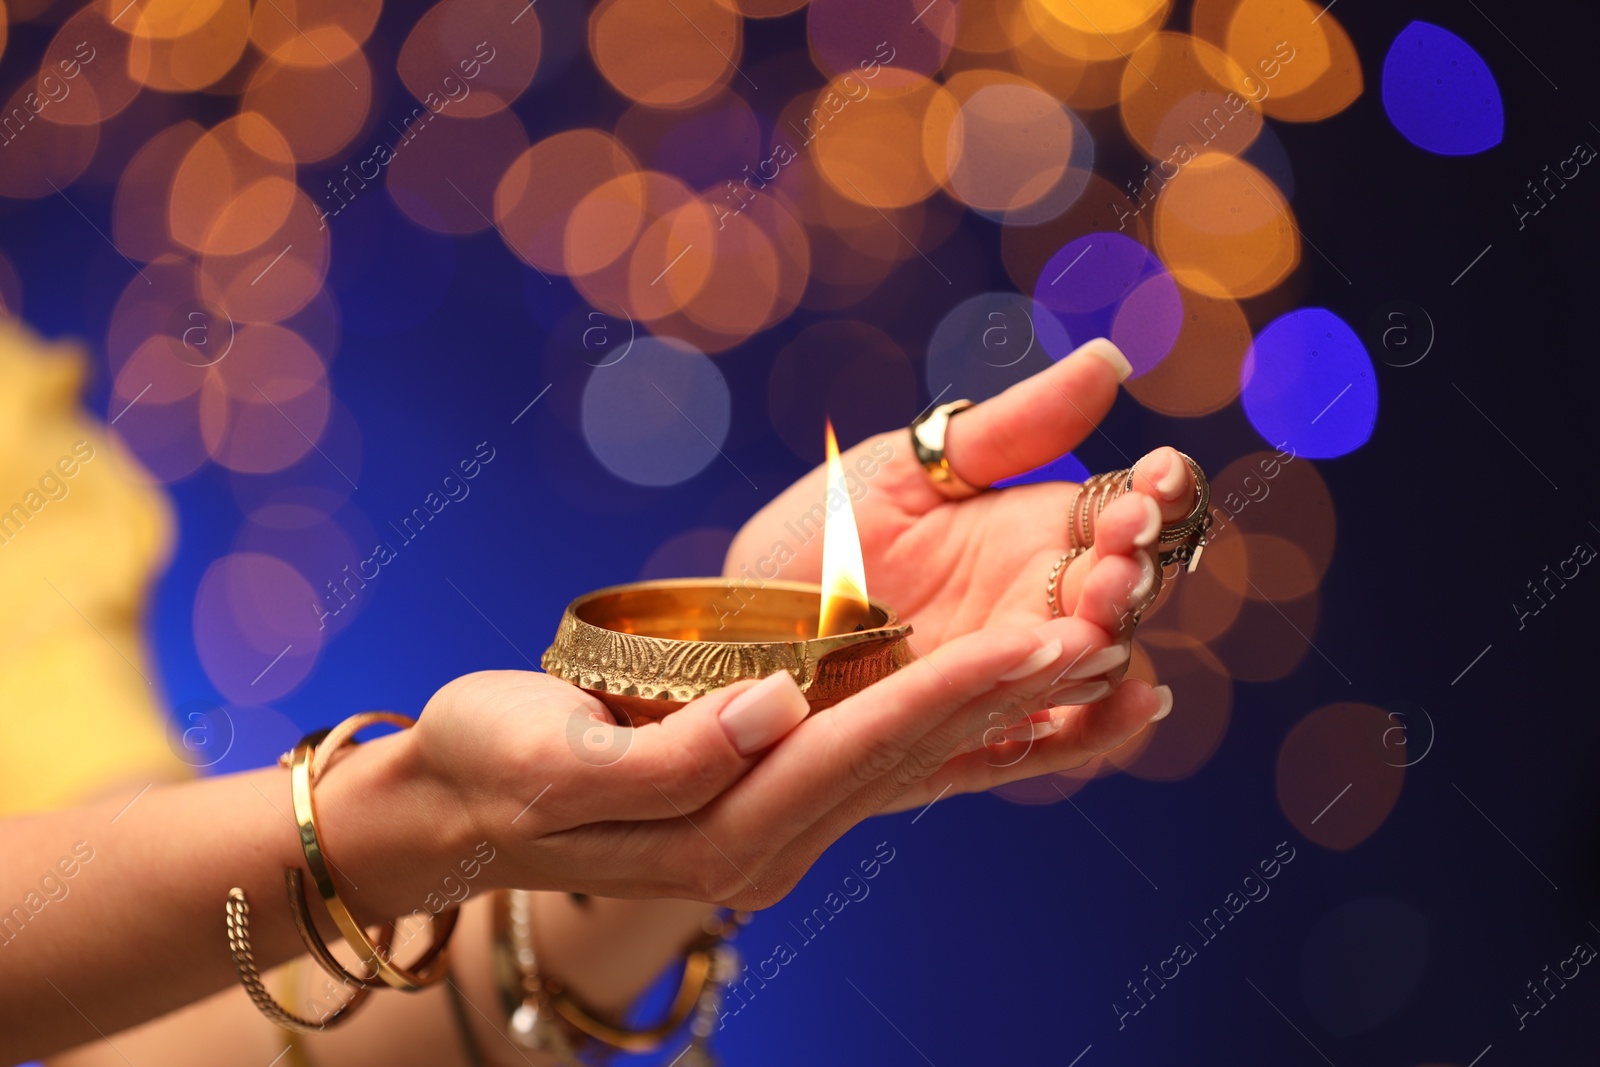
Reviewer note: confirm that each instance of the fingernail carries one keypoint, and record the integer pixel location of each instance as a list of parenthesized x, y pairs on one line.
[(1087, 693), (1175, 482), (1146, 584), (1041, 658), (1096, 663), (1032, 730), (763, 713), (1152, 523), (1109, 352), (1163, 702), (1152, 468)]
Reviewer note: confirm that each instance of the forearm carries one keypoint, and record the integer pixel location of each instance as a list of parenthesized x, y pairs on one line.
[(137, 930), (608, 953)]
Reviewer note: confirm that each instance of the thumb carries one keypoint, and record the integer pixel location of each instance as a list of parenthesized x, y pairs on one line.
[(682, 763)]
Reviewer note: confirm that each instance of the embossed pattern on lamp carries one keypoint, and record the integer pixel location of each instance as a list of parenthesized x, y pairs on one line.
[(648, 648)]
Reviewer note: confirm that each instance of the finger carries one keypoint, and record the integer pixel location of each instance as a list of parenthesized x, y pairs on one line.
[(1117, 589), (825, 815), (1128, 524), (1057, 739), (868, 736), (678, 765), (823, 761), (1039, 418), (1165, 477)]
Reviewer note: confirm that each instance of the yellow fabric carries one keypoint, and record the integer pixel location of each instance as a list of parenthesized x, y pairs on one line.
[(79, 709)]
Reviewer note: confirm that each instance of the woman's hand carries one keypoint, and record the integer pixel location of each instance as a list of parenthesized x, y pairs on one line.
[(955, 567), (683, 807)]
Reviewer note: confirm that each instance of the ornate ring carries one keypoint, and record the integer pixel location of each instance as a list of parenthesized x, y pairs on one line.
[(927, 441), (1188, 536), (1180, 542), (1051, 588)]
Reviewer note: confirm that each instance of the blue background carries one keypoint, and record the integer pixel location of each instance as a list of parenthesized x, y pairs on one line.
[(1002, 933)]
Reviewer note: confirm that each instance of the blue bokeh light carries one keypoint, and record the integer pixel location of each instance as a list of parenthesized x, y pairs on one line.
[(1308, 384), (1083, 286), (1439, 92)]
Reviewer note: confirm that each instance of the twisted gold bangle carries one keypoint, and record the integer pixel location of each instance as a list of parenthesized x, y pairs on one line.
[(307, 761), (238, 912)]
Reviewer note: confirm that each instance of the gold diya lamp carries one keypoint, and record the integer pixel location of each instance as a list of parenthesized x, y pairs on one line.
[(648, 648)]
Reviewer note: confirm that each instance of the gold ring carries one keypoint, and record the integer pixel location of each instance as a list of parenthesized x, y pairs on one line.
[(1188, 536), (927, 441), (1050, 590), (1179, 542)]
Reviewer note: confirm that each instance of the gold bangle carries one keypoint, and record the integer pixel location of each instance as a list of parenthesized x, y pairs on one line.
[(238, 912), (306, 765), (533, 997), (300, 909), (696, 973)]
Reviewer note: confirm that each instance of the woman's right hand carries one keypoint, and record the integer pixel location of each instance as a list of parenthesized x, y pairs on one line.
[(731, 798)]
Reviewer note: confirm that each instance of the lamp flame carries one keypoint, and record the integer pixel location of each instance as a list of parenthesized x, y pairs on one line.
[(844, 572)]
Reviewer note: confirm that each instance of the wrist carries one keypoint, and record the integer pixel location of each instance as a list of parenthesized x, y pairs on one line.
[(398, 840)]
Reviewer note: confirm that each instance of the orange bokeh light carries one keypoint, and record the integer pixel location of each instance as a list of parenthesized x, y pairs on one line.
[(318, 109), (542, 188), (1201, 372), (1224, 229), (667, 53), (1182, 96), (477, 55), (868, 140)]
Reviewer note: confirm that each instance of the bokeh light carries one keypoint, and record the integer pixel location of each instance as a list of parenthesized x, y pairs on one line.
[(1180, 745), (1224, 228), (869, 142), (1308, 382), (540, 190), (1299, 53), (1190, 349), (1012, 152), (667, 53), (255, 627), (1100, 30), (984, 345), (850, 39), (1182, 96), (469, 58), (1086, 282), (1338, 777), (658, 416), (1440, 94), (318, 109)]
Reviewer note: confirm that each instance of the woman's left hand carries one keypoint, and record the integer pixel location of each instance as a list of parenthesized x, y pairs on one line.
[(949, 567)]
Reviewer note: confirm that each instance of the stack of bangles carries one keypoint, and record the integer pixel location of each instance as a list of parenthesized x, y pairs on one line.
[(544, 1016)]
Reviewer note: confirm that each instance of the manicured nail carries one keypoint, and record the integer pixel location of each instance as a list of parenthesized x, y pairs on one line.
[(1151, 469), (1175, 482), (1041, 658), (1146, 585), (1097, 663), (1087, 693), (763, 713), (1163, 702), (1109, 352), (1152, 523), (1032, 730)]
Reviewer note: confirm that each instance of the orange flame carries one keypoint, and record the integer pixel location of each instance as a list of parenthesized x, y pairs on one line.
[(844, 572)]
